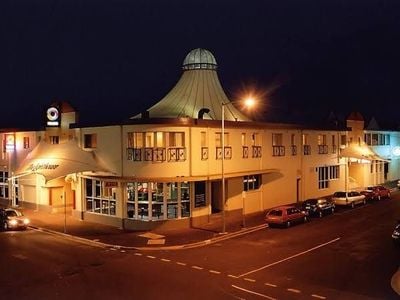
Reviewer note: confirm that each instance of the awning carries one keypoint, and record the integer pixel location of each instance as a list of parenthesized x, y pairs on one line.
[(58, 160), (362, 152)]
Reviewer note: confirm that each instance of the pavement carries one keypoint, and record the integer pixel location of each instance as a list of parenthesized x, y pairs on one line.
[(168, 239), (106, 236)]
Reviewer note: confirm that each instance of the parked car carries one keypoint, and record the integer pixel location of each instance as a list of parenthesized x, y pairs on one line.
[(318, 206), (380, 191), (285, 215), (369, 194), (11, 218), (376, 192), (348, 199), (396, 233)]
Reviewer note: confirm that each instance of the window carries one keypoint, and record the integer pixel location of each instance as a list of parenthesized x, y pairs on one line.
[(159, 139), (90, 140), (326, 174), (343, 140), (245, 148), (277, 139), (322, 146), (218, 144), (100, 196), (334, 172), (305, 144), (334, 146), (54, 139), (204, 145), (251, 182), (293, 144), (176, 139), (26, 142), (323, 178)]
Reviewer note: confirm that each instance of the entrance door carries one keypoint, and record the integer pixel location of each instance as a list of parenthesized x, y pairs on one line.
[(216, 194)]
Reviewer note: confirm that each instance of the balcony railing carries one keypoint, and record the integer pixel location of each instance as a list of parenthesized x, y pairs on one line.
[(307, 149), (278, 150), (204, 153), (228, 152), (322, 149), (245, 152), (256, 151), (293, 149), (176, 154), (134, 154), (154, 154)]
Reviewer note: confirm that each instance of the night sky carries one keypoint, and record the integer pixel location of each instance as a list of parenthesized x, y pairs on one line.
[(113, 59)]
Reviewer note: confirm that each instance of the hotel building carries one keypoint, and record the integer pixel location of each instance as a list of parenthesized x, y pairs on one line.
[(165, 166)]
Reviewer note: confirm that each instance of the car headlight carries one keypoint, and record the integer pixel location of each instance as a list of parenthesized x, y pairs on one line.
[(26, 221), (13, 222)]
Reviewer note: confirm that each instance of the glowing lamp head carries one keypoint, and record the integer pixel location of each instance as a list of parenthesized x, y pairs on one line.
[(249, 102)]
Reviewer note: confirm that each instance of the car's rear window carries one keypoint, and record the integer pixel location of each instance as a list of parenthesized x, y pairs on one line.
[(277, 213), (339, 194)]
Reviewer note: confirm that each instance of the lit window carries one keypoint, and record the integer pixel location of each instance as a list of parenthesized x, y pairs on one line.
[(90, 140), (26, 142)]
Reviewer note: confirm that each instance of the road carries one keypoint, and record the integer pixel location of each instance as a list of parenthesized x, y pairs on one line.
[(348, 255)]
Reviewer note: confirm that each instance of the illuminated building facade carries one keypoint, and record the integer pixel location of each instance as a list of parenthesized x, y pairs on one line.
[(163, 167)]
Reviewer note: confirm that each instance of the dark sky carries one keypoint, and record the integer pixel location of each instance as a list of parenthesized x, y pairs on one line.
[(112, 59)]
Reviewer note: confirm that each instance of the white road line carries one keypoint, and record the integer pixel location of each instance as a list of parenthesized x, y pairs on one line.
[(197, 268), (20, 256), (166, 260), (232, 276), (294, 291), (180, 263), (249, 279), (214, 272), (290, 257), (152, 257), (254, 293), (318, 296), (138, 254), (271, 285)]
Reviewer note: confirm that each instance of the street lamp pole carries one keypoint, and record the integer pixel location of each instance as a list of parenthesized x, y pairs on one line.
[(249, 102), (222, 167)]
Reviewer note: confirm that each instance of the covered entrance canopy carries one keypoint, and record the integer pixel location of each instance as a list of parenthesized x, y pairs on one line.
[(58, 160), (362, 152)]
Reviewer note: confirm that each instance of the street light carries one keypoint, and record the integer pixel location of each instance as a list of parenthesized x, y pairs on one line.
[(248, 102)]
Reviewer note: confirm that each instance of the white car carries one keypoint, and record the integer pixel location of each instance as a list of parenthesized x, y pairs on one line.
[(348, 199)]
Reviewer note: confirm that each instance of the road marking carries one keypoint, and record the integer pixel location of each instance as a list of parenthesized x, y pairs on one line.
[(197, 267), (271, 285), (232, 276), (318, 296), (138, 254), (20, 256), (180, 263), (214, 272), (249, 279), (166, 260), (152, 257), (290, 257), (254, 293), (294, 291)]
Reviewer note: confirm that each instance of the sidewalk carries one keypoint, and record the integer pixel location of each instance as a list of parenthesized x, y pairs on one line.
[(108, 236)]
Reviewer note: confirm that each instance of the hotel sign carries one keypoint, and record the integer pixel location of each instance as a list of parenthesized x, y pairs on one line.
[(53, 117), (42, 166)]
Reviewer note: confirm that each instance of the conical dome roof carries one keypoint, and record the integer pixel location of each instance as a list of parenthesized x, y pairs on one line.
[(198, 88)]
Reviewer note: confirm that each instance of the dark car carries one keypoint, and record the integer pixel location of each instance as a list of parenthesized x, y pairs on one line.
[(318, 207), (396, 233), (285, 215), (11, 218)]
